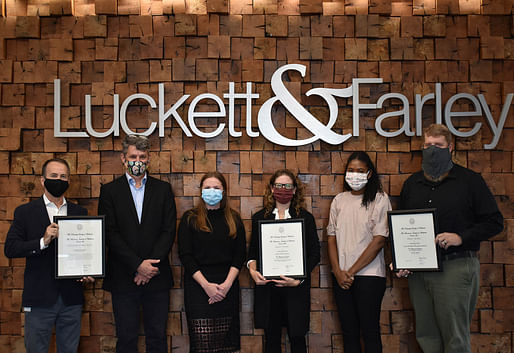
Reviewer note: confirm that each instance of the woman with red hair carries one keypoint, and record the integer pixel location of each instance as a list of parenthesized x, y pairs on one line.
[(212, 246)]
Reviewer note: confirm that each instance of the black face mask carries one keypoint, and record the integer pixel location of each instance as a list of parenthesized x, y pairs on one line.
[(436, 161), (56, 187)]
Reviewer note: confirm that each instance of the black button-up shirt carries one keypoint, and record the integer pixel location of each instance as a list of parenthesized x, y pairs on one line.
[(463, 202)]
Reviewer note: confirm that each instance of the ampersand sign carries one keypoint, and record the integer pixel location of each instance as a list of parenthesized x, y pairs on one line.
[(309, 121)]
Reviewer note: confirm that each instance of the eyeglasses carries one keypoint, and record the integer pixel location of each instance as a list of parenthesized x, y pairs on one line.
[(283, 186)]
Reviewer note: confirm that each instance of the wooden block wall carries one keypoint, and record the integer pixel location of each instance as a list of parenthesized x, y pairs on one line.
[(107, 47)]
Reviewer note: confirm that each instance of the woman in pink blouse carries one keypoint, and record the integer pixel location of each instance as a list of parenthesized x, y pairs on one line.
[(357, 232)]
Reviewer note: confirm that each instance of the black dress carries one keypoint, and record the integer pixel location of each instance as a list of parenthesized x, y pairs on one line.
[(212, 327)]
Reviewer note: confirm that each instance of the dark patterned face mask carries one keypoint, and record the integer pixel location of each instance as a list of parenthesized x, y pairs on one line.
[(136, 168), (436, 161)]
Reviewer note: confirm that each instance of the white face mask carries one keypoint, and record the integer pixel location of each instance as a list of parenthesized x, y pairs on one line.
[(356, 180)]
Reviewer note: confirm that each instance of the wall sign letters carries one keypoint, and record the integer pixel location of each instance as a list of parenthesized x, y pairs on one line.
[(282, 96)]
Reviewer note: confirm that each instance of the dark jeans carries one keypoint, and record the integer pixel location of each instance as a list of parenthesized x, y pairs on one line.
[(155, 316), (39, 323), (273, 333), (359, 311)]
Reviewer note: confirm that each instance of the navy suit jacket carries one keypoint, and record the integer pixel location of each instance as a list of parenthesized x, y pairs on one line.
[(41, 289), (130, 242)]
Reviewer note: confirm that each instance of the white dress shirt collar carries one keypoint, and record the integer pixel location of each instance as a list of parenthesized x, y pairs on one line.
[(287, 215), (48, 202)]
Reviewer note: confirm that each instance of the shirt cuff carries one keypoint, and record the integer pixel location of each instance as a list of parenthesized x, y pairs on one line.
[(42, 244), (248, 263)]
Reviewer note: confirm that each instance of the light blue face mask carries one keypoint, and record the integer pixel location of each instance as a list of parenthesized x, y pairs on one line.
[(212, 196)]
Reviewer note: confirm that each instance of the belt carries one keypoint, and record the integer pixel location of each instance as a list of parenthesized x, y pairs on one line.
[(459, 255)]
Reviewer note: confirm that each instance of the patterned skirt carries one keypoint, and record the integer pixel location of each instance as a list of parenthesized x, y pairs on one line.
[(214, 327)]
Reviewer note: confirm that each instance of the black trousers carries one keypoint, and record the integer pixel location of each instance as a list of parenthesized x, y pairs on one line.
[(278, 319), (126, 308), (359, 312)]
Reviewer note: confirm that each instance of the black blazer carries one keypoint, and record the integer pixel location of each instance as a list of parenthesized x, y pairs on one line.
[(298, 298), (129, 242), (41, 289)]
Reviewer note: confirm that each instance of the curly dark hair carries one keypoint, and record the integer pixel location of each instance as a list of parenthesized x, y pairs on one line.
[(373, 186), (298, 200)]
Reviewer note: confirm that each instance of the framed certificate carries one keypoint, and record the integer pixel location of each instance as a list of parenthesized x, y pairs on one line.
[(80, 247), (412, 234), (282, 248)]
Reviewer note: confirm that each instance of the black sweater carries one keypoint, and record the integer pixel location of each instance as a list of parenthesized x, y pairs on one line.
[(200, 250)]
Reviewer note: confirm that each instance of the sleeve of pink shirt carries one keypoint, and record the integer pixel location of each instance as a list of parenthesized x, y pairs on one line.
[(379, 215), (332, 219)]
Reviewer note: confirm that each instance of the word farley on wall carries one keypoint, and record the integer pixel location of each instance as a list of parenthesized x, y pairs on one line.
[(266, 127)]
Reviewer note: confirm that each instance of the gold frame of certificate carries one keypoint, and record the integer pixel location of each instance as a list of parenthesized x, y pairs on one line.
[(412, 234), (80, 247), (282, 248)]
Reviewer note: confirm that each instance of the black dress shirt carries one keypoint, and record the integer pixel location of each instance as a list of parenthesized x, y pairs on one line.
[(463, 202)]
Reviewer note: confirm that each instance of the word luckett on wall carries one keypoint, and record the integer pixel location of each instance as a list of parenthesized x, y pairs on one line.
[(319, 130)]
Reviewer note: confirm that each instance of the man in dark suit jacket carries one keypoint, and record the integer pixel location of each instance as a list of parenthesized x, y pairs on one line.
[(46, 300), (140, 226)]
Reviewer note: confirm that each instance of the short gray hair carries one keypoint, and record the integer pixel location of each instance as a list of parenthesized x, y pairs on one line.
[(141, 142)]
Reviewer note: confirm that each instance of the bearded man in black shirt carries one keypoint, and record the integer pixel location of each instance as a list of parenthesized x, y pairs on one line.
[(466, 214)]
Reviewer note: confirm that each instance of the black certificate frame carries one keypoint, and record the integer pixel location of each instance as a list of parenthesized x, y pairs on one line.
[(394, 251), (101, 238), (262, 224)]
